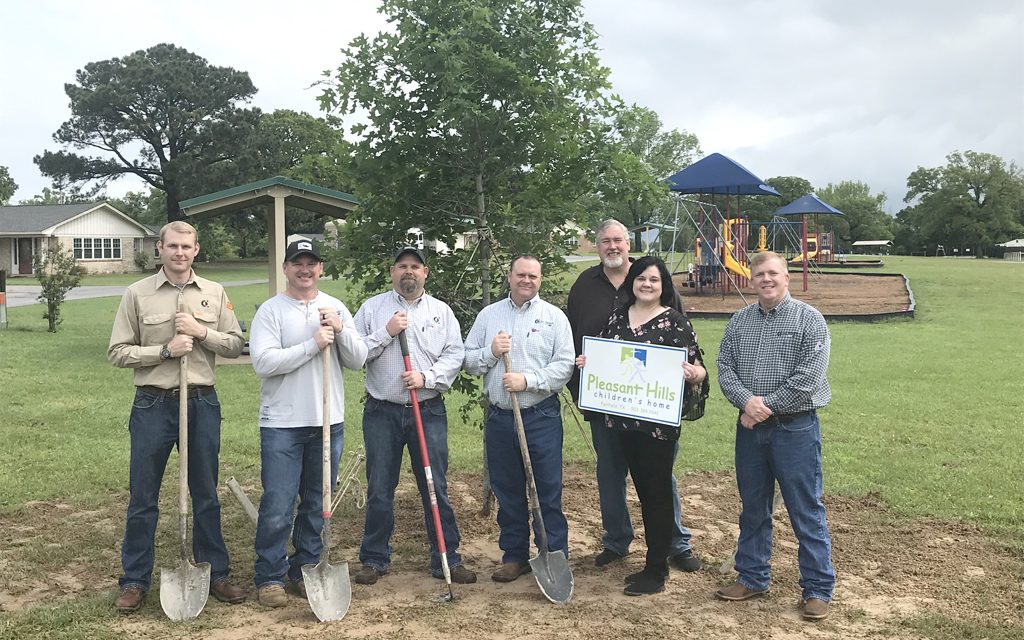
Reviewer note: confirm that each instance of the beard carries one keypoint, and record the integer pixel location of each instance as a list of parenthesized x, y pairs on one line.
[(408, 285), (613, 262)]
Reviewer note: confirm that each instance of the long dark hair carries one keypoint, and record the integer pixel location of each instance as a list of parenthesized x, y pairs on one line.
[(668, 298)]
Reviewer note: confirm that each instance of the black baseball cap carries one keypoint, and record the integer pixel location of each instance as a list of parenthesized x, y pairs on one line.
[(300, 247), (410, 251)]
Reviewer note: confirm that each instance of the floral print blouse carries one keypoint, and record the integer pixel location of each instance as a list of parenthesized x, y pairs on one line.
[(670, 328)]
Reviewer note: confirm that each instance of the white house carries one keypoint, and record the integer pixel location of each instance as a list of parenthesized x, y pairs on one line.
[(103, 239)]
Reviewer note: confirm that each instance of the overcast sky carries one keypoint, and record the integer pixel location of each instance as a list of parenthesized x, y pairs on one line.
[(825, 90)]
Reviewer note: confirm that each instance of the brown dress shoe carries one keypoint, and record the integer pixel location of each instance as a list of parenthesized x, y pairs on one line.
[(224, 591), (736, 592), (509, 571), (815, 609), (130, 599)]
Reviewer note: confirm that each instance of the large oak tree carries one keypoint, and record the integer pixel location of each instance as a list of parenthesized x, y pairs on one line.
[(163, 114)]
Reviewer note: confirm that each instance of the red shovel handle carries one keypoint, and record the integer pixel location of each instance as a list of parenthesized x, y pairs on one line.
[(418, 419)]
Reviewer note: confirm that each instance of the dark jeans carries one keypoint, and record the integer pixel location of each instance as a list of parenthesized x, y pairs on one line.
[(388, 429), (650, 465), (611, 492), (543, 426), (789, 452), (292, 469), (153, 426)]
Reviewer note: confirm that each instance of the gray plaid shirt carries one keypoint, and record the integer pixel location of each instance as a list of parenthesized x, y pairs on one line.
[(435, 346), (780, 355), (541, 349)]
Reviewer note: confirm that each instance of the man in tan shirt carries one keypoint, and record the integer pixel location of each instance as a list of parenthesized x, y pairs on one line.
[(149, 335)]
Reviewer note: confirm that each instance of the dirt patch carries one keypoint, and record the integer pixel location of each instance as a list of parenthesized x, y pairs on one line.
[(830, 293), (889, 570)]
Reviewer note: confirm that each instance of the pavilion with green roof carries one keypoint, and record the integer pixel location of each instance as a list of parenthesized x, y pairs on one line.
[(277, 192)]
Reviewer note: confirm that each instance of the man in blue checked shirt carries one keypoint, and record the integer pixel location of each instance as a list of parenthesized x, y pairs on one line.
[(771, 366), (538, 339)]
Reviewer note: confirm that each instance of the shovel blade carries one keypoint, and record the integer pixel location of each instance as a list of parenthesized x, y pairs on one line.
[(328, 590), (184, 590), (554, 577)]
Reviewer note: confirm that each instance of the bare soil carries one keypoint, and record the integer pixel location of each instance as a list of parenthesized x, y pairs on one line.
[(891, 570), (830, 293)]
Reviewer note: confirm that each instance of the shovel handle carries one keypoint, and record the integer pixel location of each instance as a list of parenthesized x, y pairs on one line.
[(183, 446), (327, 434), (524, 448)]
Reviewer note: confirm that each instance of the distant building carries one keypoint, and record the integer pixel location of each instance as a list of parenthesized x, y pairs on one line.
[(872, 246), (102, 239), (1013, 250)]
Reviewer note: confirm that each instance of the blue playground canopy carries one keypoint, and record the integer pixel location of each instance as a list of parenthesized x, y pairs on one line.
[(806, 205), (717, 174)]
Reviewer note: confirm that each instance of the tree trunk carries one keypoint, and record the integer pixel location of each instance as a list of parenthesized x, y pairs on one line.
[(485, 287)]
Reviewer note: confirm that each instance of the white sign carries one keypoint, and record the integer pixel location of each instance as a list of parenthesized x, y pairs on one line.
[(634, 380)]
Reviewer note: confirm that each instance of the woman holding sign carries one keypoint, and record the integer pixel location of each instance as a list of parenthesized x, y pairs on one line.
[(649, 317)]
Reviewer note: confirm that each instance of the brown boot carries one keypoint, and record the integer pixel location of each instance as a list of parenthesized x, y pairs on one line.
[(815, 609), (224, 591), (736, 592), (130, 599), (509, 571)]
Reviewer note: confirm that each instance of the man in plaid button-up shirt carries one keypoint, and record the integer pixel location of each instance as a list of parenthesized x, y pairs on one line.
[(771, 366)]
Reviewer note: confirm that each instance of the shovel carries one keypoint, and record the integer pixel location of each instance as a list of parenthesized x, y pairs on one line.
[(550, 568), (435, 513), (328, 589), (184, 590)]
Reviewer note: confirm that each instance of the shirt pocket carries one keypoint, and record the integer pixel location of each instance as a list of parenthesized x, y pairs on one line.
[(206, 317), (157, 328)]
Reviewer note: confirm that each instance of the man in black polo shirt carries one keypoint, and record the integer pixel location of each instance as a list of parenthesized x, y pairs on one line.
[(591, 300)]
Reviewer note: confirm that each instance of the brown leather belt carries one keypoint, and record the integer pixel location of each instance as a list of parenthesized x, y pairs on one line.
[(194, 391)]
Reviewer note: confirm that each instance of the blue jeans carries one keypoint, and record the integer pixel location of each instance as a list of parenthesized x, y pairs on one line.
[(789, 452), (153, 427), (611, 492), (292, 468), (543, 426), (388, 429)]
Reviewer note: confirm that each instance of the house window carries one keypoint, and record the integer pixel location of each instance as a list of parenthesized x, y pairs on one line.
[(97, 248)]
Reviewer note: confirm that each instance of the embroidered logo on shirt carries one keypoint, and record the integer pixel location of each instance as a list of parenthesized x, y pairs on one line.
[(819, 345), (205, 303)]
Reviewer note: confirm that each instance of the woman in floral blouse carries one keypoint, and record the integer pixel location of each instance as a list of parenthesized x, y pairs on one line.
[(649, 317)]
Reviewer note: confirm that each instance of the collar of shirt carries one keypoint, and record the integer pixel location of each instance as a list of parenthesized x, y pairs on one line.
[(526, 305), (402, 301), (161, 279), (779, 308)]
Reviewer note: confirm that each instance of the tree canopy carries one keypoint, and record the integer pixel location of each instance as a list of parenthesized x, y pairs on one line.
[(474, 118), (163, 114), (864, 216), (7, 185), (972, 202)]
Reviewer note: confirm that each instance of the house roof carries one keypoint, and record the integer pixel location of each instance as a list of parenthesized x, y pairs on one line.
[(873, 243), (300, 194), (1013, 244), (41, 219), (37, 218)]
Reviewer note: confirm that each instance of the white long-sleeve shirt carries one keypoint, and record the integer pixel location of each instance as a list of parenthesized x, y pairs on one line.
[(285, 356)]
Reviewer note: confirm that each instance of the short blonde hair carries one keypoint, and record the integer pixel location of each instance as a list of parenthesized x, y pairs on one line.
[(178, 226), (765, 256)]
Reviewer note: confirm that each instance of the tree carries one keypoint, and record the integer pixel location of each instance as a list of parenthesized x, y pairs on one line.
[(638, 159), (7, 186), (70, 195), (58, 274), (180, 112), (761, 208), (973, 202), (864, 216), (479, 119)]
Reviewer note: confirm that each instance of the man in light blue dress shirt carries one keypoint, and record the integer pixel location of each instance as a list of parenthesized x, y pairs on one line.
[(538, 339)]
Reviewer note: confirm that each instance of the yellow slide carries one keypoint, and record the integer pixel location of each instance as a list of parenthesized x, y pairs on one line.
[(800, 258), (732, 265)]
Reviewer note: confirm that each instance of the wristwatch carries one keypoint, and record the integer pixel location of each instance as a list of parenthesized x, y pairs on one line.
[(165, 353)]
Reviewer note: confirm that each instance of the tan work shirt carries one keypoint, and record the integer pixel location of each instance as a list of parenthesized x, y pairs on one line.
[(145, 323)]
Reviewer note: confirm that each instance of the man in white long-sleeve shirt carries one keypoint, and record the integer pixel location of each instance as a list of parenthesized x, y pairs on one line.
[(538, 339), (289, 333)]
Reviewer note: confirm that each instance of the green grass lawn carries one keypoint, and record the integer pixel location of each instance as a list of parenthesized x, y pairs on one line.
[(926, 415)]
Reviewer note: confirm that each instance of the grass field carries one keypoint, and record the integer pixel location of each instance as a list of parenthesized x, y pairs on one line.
[(926, 416)]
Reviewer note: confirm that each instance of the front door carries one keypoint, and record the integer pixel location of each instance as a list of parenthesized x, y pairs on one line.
[(25, 256)]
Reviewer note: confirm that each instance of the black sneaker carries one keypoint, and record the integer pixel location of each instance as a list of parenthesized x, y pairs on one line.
[(633, 577), (686, 561), (607, 556)]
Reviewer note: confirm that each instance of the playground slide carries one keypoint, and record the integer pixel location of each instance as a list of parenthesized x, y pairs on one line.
[(732, 265), (800, 258)]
